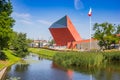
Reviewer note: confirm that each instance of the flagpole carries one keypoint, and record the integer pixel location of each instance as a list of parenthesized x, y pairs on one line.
[(90, 32), (90, 14)]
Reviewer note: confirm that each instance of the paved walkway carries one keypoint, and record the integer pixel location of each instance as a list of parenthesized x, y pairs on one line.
[(2, 72)]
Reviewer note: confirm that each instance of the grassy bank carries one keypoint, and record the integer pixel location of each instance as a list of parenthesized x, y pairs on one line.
[(10, 59), (43, 52), (84, 59)]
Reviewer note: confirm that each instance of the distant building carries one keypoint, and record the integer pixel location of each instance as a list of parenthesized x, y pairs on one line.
[(39, 43)]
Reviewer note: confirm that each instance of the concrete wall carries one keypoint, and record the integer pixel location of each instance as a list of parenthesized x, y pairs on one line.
[(86, 45)]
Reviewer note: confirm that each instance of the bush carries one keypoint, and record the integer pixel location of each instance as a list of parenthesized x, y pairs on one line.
[(2, 56)]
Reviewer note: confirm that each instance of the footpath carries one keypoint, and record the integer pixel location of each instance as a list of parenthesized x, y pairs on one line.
[(2, 72)]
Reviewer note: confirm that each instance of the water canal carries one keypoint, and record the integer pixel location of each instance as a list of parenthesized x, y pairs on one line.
[(36, 68)]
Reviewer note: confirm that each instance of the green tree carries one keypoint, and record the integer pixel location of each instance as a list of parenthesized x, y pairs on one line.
[(51, 42), (106, 34), (20, 44), (118, 29), (6, 23)]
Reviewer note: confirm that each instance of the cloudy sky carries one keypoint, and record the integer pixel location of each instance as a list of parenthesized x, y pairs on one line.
[(34, 17)]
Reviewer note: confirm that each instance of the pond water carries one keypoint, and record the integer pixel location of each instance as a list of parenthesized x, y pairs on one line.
[(36, 68)]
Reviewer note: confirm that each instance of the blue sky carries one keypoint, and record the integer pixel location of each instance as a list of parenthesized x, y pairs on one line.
[(34, 17)]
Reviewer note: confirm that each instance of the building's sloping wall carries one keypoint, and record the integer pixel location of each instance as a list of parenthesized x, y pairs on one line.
[(64, 32), (73, 31), (61, 36)]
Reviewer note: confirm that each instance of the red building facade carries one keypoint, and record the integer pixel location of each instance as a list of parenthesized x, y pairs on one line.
[(64, 32)]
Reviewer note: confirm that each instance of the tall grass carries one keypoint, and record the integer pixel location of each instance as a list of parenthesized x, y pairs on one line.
[(78, 59), (112, 56), (84, 59)]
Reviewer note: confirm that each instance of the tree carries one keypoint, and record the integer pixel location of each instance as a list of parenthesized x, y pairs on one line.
[(20, 44), (106, 34), (6, 23), (118, 29), (51, 42)]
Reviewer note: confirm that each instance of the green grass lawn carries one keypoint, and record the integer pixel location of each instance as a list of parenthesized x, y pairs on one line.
[(10, 59), (43, 52)]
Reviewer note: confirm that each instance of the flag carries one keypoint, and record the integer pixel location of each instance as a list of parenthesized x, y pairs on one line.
[(90, 12)]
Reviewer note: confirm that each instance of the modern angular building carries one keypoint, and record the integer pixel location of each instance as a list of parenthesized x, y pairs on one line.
[(64, 32)]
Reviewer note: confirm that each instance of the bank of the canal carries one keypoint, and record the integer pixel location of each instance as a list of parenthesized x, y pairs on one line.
[(45, 53), (37, 68), (11, 59), (2, 72), (78, 59)]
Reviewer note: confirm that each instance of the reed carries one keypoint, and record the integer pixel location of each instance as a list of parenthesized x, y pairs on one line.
[(78, 59), (112, 56)]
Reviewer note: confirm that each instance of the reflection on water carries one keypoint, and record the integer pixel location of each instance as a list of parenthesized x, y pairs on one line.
[(69, 72), (109, 72), (21, 67), (38, 68)]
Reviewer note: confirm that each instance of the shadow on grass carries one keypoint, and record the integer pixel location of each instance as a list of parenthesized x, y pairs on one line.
[(3, 56)]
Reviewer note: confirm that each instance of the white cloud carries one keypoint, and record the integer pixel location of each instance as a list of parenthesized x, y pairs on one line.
[(26, 22), (44, 22), (78, 4), (23, 18), (26, 16)]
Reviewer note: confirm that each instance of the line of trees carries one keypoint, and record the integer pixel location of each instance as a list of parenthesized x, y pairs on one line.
[(8, 38)]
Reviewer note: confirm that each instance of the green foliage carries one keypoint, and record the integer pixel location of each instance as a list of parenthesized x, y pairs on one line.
[(43, 52), (112, 56), (118, 29), (6, 23), (106, 34), (5, 6), (2, 56), (20, 44), (78, 59)]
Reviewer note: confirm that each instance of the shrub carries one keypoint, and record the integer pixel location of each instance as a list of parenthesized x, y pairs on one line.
[(2, 56)]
